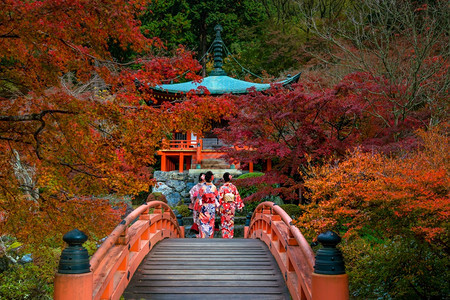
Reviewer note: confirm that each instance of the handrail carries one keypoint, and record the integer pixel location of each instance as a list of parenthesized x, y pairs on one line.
[(115, 262), (305, 247), (182, 144), (294, 256)]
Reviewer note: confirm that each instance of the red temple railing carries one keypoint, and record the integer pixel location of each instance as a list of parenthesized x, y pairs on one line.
[(180, 144)]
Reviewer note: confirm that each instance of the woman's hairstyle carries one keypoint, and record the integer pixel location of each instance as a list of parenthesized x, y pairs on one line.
[(208, 176), (227, 176), (201, 177)]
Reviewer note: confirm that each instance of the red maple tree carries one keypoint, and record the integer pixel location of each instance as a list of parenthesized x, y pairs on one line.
[(73, 125)]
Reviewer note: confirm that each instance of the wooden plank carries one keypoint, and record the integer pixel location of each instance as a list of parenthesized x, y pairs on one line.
[(192, 249), (212, 259), (209, 283), (196, 267), (248, 277), (217, 252), (210, 263), (205, 290), (207, 272), (197, 296), (194, 256)]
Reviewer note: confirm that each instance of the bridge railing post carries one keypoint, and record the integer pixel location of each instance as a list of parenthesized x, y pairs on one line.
[(329, 280), (181, 225), (74, 279), (247, 225)]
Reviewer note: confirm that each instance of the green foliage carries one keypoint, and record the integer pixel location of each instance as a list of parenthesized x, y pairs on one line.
[(25, 282), (399, 268), (91, 247), (275, 199), (46, 259), (247, 190), (248, 208), (168, 20), (32, 280), (156, 196), (293, 210), (272, 49), (183, 210), (140, 198), (250, 175)]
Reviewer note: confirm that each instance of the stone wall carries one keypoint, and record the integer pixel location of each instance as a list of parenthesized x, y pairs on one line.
[(176, 186)]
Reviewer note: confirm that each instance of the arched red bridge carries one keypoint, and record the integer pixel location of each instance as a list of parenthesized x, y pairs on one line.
[(147, 257)]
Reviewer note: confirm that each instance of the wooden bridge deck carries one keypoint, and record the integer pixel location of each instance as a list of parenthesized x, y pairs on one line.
[(208, 269)]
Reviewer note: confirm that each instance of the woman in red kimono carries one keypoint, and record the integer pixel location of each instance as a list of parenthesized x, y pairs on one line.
[(229, 202), (194, 193), (207, 203)]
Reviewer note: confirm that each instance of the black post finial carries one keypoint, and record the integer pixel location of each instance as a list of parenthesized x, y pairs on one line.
[(249, 218), (218, 52), (180, 220), (75, 258), (329, 260)]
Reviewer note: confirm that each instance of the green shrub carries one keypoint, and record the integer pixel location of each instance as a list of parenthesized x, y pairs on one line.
[(250, 175), (182, 210), (24, 282), (91, 247), (32, 280), (248, 209), (244, 189), (293, 210), (156, 196), (399, 268), (140, 198), (275, 199)]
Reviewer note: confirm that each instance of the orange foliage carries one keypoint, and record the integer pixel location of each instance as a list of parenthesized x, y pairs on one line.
[(73, 125), (42, 224), (406, 194)]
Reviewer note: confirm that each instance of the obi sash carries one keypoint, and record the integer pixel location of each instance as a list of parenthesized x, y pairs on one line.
[(228, 197), (209, 198)]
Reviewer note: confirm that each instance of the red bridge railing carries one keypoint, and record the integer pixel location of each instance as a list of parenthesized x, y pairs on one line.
[(295, 258), (114, 263), (107, 273)]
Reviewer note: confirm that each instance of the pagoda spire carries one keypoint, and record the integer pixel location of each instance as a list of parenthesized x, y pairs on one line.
[(218, 52)]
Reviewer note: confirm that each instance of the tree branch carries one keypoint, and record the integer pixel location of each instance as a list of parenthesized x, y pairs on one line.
[(33, 117)]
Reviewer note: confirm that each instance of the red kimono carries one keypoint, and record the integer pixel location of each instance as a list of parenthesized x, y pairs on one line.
[(229, 201)]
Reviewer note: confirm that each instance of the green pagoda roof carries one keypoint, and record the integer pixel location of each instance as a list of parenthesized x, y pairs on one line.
[(218, 83)]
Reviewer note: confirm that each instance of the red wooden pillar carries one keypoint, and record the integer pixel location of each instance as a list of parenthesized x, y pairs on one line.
[(250, 167), (188, 162), (269, 165), (163, 162), (199, 150), (180, 169)]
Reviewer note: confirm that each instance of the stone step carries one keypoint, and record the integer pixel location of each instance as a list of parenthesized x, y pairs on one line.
[(215, 164)]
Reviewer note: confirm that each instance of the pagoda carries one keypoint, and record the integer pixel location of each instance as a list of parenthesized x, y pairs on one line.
[(188, 151)]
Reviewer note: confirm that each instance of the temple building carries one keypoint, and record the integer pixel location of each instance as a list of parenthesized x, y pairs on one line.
[(186, 150)]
